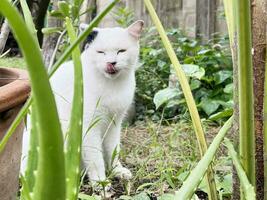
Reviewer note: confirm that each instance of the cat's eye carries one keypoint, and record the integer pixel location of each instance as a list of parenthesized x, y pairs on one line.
[(102, 52), (121, 51)]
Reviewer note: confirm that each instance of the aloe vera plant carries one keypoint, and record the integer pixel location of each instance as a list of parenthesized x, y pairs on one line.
[(51, 161), (188, 96)]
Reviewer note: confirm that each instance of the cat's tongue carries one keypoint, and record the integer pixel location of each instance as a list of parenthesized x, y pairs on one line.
[(111, 69)]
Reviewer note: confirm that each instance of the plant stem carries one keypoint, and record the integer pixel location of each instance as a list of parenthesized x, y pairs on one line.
[(246, 102), (188, 96)]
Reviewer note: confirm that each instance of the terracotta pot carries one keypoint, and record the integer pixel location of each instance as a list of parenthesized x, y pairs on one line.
[(14, 91)]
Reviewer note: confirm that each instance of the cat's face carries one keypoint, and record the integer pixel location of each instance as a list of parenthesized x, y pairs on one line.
[(114, 51)]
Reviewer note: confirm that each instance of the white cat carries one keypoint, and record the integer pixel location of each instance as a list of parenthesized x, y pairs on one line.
[(109, 62)]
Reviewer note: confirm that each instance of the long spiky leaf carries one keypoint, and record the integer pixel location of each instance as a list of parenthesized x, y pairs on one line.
[(74, 136), (248, 189)]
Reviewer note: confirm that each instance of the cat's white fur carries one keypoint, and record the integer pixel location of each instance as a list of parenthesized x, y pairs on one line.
[(106, 97)]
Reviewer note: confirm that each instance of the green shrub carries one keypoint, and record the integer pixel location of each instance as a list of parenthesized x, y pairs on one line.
[(208, 67)]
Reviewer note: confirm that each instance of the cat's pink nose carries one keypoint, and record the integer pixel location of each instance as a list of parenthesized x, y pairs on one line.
[(111, 64)]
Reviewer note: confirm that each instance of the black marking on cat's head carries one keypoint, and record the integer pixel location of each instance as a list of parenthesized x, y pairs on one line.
[(90, 38)]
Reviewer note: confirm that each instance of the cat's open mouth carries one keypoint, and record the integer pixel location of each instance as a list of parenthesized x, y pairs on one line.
[(111, 69)]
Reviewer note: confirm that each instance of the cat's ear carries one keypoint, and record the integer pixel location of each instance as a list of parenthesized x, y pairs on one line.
[(90, 38), (136, 28)]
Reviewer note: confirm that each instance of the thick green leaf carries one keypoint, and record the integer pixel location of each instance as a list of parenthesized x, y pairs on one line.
[(229, 88), (228, 104), (209, 106), (195, 84), (74, 135), (165, 95), (225, 186), (193, 71), (221, 76), (141, 196), (175, 102)]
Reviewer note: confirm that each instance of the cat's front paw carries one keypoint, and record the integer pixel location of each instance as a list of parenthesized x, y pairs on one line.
[(105, 191), (122, 173)]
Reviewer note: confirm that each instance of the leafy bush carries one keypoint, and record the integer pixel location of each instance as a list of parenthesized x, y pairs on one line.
[(207, 66)]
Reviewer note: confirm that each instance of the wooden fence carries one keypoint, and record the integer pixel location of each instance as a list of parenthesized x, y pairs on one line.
[(199, 18)]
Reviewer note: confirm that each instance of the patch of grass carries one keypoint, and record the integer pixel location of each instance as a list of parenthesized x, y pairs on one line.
[(16, 62), (160, 158)]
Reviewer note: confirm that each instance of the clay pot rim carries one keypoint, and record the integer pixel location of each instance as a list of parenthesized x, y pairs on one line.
[(14, 87)]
